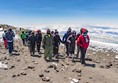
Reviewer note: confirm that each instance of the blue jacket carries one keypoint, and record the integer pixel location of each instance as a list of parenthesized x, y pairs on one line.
[(65, 37), (9, 36)]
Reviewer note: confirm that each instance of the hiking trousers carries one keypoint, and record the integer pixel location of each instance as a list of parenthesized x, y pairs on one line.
[(38, 46), (10, 46), (32, 48), (48, 52), (83, 53), (67, 48), (24, 41), (55, 49)]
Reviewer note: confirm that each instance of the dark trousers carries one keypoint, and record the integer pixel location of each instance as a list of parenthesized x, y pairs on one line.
[(55, 49), (71, 48), (67, 48), (83, 53), (10, 46), (38, 46), (24, 41), (32, 48)]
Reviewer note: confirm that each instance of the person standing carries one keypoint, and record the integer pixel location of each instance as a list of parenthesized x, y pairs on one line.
[(9, 37), (23, 37), (57, 41), (4, 38), (32, 42), (78, 47), (66, 35), (83, 41), (71, 40), (48, 45), (38, 40)]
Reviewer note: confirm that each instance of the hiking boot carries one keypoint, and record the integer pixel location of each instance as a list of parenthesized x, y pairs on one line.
[(45, 58), (70, 55), (33, 53), (73, 56), (57, 57), (30, 54), (50, 59)]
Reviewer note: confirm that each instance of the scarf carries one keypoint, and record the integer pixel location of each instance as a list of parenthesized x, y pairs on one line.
[(85, 36)]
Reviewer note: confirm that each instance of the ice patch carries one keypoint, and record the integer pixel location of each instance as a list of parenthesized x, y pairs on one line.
[(3, 66), (102, 46), (116, 57)]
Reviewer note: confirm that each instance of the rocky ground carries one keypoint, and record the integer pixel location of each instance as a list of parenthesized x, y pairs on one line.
[(102, 67)]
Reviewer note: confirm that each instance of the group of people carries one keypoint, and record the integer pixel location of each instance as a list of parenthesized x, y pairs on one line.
[(50, 42), (32, 40), (70, 39)]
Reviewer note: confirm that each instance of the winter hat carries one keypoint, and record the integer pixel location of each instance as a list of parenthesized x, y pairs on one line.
[(38, 31), (74, 32), (69, 29), (56, 31), (10, 29), (84, 30), (48, 31)]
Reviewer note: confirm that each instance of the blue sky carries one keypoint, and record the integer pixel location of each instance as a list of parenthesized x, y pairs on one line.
[(23, 12)]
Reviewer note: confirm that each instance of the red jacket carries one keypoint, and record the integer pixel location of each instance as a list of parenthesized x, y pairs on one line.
[(81, 41)]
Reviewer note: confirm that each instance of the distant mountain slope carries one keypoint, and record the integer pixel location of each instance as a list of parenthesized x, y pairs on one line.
[(5, 26)]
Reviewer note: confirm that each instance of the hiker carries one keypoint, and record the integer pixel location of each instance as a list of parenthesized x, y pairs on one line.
[(48, 45), (83, 41), (9, 37), (23, 37), (4, 38), (78, 47), (38, 40), (66, 35), (32, 42), (56, 44), (71, 44)]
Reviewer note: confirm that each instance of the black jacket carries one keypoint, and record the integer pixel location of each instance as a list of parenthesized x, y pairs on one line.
[(38, 38), (32, 39), (57, 40)]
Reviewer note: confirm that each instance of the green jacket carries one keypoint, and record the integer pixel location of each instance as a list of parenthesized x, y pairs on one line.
[(23, 35), (48, 40)]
